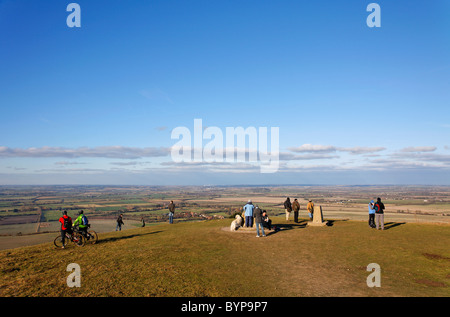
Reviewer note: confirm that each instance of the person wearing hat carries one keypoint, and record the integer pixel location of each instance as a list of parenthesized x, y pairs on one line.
[(248, 208), (310, 208), (66, 226), (372, 214)]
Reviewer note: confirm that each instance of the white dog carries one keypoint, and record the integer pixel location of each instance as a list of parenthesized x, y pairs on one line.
[(236, 223)]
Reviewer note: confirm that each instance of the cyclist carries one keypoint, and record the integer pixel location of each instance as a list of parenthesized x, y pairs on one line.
[(66, 226), (82, 224)]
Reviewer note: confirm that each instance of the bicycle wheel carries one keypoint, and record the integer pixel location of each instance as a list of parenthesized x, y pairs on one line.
[(78, 239), (92, 237), (58, 242)]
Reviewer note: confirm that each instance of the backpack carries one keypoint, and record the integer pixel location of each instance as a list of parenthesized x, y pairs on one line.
[(84, 220), (377, 208), (67, 223)]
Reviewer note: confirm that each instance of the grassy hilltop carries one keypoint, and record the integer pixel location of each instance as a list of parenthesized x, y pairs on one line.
[(203, 259)]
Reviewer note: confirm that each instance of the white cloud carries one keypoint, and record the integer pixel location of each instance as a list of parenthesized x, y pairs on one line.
[(330, 148), (419, 149), (313, 148), (362, 150), (120, 152), (64, 163), (286, 156)]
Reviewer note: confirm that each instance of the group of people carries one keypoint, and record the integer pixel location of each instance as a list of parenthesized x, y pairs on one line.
[(295, 207), (251, 212), (259, 215), (376, 214), (120, 223), (67, 225)]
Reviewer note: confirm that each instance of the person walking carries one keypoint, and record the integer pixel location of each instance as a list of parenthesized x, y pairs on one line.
[(171, 211), (248, 209), (287, 207), (310, 208), (379, 214), (66, 226), (119, 222), (372, 214), (295, 208), (259, 221)]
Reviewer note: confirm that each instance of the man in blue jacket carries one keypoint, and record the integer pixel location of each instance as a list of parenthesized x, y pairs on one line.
[(248, 208)]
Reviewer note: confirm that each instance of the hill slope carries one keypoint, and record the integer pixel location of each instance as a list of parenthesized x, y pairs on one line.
[(201, 259)]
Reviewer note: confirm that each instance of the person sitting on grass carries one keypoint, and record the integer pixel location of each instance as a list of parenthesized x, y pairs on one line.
[(267, 223)]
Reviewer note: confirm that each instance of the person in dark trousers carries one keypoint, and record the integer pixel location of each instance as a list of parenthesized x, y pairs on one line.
[(295, 208), (82, 223), (143, 222), (287, 207), (66, 226), (379, 214), (119, 222), (171, 211), (258, 214), (249, 209), (372, 214)]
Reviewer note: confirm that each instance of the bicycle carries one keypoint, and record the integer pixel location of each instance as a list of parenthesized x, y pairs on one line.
[(90, 237), (75, 237)]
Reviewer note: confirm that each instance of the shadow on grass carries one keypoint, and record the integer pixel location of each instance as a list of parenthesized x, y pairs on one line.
[(389, 225), (288, 226), (300, 225), (112, 239)]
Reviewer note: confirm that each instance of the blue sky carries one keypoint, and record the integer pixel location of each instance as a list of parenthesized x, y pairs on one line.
[(354, 105)]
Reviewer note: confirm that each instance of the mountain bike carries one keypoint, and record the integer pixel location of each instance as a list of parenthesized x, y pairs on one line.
[(90, 236), (74, 237)]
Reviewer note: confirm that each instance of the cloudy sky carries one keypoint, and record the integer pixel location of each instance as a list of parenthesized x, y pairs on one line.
[(97, 104)]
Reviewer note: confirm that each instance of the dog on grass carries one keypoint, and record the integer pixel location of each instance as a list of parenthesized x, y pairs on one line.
[(237, 222)]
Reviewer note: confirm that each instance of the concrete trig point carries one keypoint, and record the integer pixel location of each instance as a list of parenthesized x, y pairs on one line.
[(317, 217)]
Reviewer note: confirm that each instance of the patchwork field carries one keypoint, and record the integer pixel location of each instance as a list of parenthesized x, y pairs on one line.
[(29, 214)]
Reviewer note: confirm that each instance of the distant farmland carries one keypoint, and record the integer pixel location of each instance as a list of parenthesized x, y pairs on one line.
[(26, 210)]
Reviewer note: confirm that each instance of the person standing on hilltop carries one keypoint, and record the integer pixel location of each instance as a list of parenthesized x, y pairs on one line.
[(295, 208), (310, 208), (119, 222), (248, 209), (66, 226), (287, 207), (372, 214), (171, 211), (379, 214), (259, 221)]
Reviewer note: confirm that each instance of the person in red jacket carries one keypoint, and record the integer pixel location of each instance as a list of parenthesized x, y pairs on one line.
[(66, 226)]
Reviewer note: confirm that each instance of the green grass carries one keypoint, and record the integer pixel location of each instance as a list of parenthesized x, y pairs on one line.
[(201, 259)]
